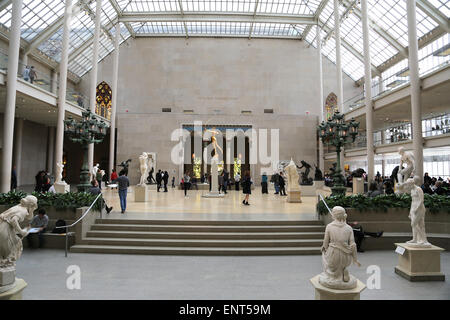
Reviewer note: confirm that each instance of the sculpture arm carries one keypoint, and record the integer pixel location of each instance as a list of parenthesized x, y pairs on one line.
[(14, 222), (326, 241), (354, 249)]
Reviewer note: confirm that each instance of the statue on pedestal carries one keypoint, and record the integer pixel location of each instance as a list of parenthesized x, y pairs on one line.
[(11, 234), (292, 175), (124, 165), (338, 252), (306, 180), (416, 213), (143, 158), (59, 170)]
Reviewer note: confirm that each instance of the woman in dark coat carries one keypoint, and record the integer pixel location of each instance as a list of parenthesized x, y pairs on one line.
[(246, 187)]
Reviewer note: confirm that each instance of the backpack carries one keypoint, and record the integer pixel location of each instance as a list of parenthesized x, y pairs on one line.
[(59, 223)]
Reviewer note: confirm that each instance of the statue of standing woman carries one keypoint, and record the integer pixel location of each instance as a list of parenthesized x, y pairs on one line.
[(11, 234), (143, 159)]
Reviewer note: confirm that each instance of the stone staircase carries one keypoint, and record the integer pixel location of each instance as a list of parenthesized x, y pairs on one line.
[(187, 237)]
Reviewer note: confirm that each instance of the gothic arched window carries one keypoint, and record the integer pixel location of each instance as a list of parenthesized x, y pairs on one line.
[(331, 105), (103, 105)]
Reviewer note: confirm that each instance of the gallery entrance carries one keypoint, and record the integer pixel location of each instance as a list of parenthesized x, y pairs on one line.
[(233, 149)]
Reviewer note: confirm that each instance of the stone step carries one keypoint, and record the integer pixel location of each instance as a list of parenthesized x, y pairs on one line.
[(205, 235), (209, 228), (212, 222), (202, 243), (217, 251)]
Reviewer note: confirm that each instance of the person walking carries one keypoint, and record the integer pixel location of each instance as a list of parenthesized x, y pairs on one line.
[(226, 176), (113, 175), (95, 190), (221, 182), (123, 183), (173, 182), (32, 74), (26, 73), (237, 180), (264, 184), (186, 183), (282, 184), (158, 180), (275, 179), (246, 187), (166, 180)]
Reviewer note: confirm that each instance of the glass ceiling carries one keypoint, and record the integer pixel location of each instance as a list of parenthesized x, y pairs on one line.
[(228, 18)]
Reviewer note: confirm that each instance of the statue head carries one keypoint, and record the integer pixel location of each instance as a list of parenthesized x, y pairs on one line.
[(409, 184), (401, 150), (29, 202), (338, 213)]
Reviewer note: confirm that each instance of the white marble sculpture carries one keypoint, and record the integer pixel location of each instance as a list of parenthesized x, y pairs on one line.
[(338, 252), (408, 159), (292, 175), (11, 234), (417, 213), (143, 160), (59, 170), (94, 171)]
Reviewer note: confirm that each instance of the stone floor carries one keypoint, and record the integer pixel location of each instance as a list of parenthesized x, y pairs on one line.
[(223, 278)]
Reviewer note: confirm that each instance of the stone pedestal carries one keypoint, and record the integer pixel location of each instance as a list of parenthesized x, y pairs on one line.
[(358, 185), (141, 193), (319, 184), (13, 291), (324, 293), (62, 187), (419, 264), (7, 276), (309, 191), (214, 193), (294, 196)]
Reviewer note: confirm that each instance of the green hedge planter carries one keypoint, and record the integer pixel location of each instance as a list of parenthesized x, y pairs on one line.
[(70, 200), (434, 203)]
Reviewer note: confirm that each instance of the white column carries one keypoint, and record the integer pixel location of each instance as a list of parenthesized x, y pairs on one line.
[(380, 84), (115, 88), (54, 82), (368, 91), (10, 107), (416, 117), (93, 93), (18, 137), (50, 149), (340, 89), (24, 63), (62, 85), (321, 104)]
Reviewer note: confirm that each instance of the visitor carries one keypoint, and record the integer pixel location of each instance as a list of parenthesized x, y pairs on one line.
[(373, 190), (282, 184), (186, 183), (221, 182), (194, 183), (226, 176), (359, 235), (123, 183), (39, 221), (246, 187), (439, 190), (113, 175), (209, 182), (26, 73), (32, 74), (80, 101), (13, 178), (173, 182), (158, 180), (426, 187), (275, 179), (95, 190), (166, 180), (39, 181), (427, 178), (98, 177), (264, 184), (46, 186), (237, 179)]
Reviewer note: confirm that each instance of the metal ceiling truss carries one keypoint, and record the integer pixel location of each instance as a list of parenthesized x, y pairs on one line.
[(116, 7), (4, 4), (319, 10), (253, 23), (434, 14)]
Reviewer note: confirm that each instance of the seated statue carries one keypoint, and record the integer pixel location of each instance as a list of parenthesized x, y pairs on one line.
[(338, 252), (318, 176), (11, 234)]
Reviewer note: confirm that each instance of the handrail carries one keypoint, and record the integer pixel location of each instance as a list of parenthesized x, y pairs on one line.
[(81, 218)]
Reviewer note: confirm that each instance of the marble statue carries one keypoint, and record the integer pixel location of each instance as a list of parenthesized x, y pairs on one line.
[(292, 175), (143, 159), (416, 213), (214, 142), (318, 176), (407, 159), (94, 171), (338, 252), (306, 180), (124, 165), (11, 234), (59, 170)]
